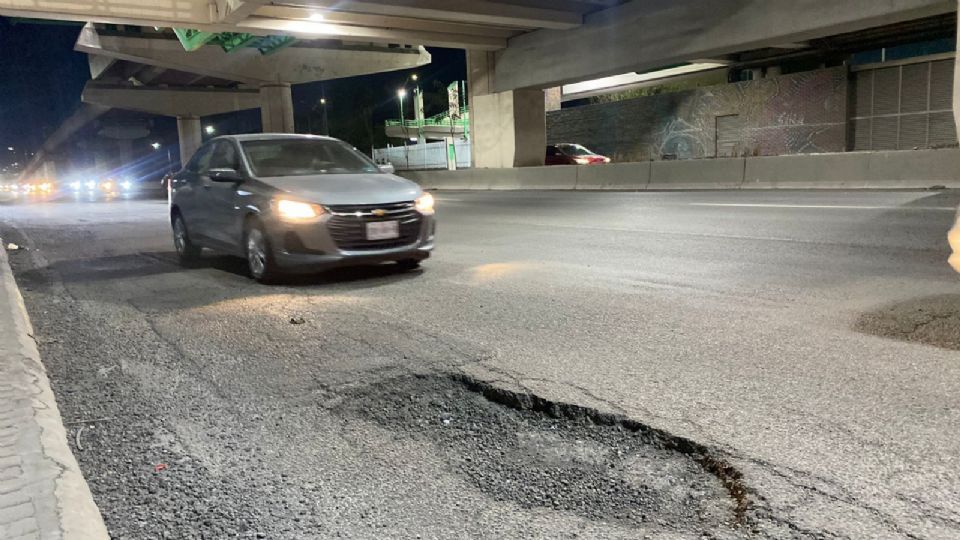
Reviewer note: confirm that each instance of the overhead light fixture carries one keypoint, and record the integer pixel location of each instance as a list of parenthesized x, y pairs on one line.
[(628, 79), (312, 26), (317, 17)]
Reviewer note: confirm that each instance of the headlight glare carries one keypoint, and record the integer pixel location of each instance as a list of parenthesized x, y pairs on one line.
[(425, 204), (297, 211)]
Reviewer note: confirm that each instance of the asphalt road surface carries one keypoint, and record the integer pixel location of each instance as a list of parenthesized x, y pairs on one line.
[(568, 365)]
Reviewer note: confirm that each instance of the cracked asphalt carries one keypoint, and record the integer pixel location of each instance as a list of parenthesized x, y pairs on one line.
[(807, 340)]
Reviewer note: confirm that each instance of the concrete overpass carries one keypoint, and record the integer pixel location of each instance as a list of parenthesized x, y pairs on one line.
[(149, 70), (518, 48)]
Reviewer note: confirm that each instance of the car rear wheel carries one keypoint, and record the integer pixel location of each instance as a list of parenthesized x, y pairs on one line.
[(260, 261), (187, 251)]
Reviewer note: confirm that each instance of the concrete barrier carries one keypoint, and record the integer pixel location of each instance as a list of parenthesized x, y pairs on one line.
[(547, 178), (854, 170), (42, 491), (827, 171), (726, 173), (913, 169), (615, 176)]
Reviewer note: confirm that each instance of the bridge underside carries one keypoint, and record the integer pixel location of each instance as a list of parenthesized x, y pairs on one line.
[(517, 48)]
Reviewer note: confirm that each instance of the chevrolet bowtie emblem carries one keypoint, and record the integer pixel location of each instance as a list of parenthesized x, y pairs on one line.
[(379, 213)]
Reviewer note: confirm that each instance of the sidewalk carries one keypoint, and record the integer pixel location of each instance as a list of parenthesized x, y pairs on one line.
[(42, 493)]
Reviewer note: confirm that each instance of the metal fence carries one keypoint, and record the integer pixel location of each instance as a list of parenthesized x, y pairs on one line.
[(420, 157)]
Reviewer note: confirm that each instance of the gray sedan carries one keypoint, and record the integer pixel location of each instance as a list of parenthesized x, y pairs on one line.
[(297, 203)]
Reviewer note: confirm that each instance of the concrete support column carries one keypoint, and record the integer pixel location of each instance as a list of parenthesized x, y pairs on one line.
[(554, 97), (191, 137), (508, 129), (276, 108)]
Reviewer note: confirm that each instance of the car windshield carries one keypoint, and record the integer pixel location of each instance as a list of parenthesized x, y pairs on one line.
[(304, 157), (574, 150)]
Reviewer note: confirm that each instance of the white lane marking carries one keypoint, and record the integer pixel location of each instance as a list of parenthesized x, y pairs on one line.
[(830, 207)]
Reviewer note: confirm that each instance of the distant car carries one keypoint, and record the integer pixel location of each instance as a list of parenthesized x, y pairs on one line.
[(954, 237), (573, 154), (296, 203), (104, 187)]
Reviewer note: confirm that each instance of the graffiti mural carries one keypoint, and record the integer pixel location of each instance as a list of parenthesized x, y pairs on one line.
[(792, 114)]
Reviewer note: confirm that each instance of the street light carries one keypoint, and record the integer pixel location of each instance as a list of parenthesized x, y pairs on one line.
[(211, 130), (10, 148), (156, 146)]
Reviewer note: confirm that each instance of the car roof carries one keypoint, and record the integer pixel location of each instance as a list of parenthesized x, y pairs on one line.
[(274, 137)]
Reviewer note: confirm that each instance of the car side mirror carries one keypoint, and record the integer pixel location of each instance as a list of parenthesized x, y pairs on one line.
[(388, 168), (225, 175)]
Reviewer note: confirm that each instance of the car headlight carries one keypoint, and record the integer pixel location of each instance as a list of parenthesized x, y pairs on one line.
[(297, 211), (954, 238), (425, 204)]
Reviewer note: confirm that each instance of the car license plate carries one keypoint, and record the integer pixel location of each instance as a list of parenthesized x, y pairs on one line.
[(383, 230)]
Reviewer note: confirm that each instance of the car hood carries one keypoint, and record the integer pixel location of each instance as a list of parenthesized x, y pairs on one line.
[(339, 189)]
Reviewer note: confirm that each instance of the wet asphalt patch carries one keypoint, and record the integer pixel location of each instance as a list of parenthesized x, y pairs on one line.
[(932, 320), (539, 454)]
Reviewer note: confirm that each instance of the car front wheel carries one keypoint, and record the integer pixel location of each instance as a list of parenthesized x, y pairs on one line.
[(260, 261)]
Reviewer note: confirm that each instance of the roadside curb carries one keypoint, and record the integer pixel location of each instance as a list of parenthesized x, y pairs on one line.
[(42, 492)]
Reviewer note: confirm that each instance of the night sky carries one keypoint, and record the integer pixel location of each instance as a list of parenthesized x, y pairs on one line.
[(42, 80)]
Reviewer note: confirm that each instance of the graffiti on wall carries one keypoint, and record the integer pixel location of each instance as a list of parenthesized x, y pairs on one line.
[(792, 114)]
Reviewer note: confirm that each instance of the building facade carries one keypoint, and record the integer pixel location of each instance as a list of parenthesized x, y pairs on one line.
[(886, 106)]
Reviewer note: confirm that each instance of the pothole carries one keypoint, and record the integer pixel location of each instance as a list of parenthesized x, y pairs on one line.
[(933, 320), (540, 454)]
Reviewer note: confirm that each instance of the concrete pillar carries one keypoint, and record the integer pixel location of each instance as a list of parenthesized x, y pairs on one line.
[(191, 137), (508, 129), (554, 98), (276, 108)]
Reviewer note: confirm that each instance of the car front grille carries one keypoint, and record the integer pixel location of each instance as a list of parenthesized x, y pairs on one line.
[(348, 226)]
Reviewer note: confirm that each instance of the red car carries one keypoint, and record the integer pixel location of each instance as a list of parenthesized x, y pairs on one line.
[(573, 154)]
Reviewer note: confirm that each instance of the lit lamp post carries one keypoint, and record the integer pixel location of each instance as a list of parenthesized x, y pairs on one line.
[(156, 147), (326, 119)]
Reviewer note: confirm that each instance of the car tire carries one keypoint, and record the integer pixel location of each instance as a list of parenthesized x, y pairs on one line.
[(407, 265), (259, 253), (187, 252)]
